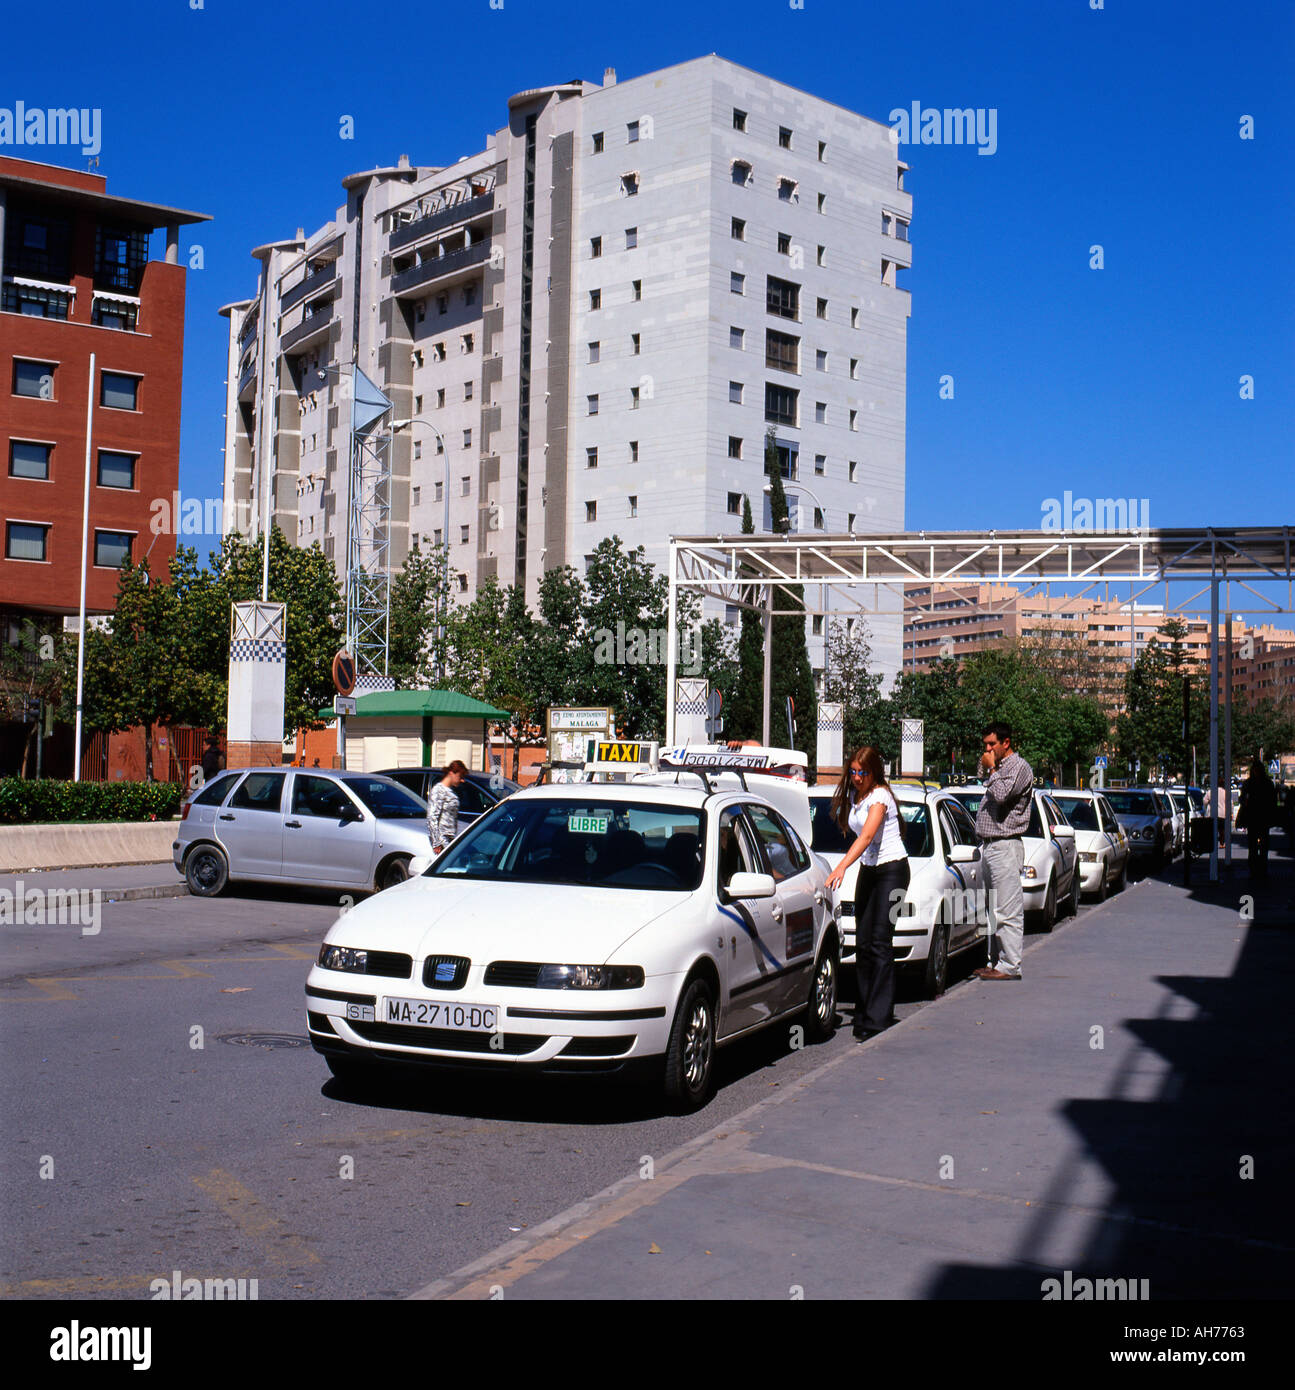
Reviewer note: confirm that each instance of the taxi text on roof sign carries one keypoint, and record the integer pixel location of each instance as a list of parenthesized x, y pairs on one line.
[(620, 751)]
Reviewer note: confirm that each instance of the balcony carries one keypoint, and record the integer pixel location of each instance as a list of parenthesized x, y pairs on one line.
[(247, 377), (303, 290), (440, 268), (434, 221), (314, 325)]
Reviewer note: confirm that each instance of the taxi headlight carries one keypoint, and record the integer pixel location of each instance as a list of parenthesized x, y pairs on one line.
[(590, 977), (1029, 871), (343, 958), (1086, 858)]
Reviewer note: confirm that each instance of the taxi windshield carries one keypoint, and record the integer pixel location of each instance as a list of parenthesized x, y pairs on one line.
[(592, 842), (1080, 811)]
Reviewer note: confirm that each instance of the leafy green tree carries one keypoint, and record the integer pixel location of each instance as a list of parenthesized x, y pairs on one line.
[(34, 665), (743, 713), (934, 696), (419, 594), (791, 674), (851, 679)]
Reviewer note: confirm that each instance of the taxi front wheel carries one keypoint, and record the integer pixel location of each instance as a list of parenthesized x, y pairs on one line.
[(690, 1056)]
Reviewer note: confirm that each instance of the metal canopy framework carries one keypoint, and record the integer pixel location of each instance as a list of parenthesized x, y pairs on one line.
[(747, 571)]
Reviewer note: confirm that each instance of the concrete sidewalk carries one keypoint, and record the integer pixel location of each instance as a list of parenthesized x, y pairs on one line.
[(120, 883), (1122, 1113)]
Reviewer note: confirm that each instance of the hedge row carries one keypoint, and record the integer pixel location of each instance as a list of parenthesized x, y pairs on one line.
[(49, 802)]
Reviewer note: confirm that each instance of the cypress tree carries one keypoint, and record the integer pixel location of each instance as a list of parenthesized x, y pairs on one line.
[(742, 715), (792, 674)]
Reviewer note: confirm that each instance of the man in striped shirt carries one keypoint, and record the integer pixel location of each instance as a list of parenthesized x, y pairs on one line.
[(1003, 819)]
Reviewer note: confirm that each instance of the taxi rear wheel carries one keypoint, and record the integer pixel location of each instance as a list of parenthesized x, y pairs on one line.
[(690, 1056), (936, 974), (820, 1016)]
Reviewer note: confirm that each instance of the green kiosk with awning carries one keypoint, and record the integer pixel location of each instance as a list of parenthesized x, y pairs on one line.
[(418, 728)]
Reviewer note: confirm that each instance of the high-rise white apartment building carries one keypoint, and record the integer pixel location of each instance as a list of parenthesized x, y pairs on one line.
[(593, 322)]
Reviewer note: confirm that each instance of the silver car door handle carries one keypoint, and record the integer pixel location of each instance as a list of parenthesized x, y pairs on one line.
[(776, 913), (293, 824), (227, 817)]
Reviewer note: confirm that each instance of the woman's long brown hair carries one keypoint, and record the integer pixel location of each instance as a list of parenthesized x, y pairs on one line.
[(843, 798)]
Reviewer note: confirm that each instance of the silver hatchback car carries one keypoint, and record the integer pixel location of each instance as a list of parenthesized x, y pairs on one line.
[(319, 828)]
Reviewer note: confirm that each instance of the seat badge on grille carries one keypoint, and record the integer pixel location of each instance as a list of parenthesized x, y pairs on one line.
[(444, 971)]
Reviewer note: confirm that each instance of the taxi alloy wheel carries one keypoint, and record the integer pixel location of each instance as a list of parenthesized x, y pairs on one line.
[(821, 1017), (206, 871), (1049, 917), (936, 975), (690, 1057)]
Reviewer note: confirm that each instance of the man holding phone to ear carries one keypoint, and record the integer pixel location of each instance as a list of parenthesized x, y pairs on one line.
[(1003, 819)]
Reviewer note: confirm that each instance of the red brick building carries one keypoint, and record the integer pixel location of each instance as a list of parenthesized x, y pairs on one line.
[(76, 279)]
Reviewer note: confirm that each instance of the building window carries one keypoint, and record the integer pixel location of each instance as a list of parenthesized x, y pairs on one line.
[(635, 345), (436, 536), (739, 119), (732, 615), (463, 582), (34, 379), (735, 504), (593, 405), (591, 458), (418, 449), (854, 318), (417, 495), (788, 456), (438, 353), (591, 511), (418, 405), (822, 251), (822, 308), (637, 286), (111, 549), (816, 625), (632, 132), (29, 460), (854, 419), (463, 535), (597, 142), (854, 369), (820, 360), (634, 451), (440, 398), (849, 525), (634, 397), (437, 493), (634, 506), (595, 247), (820, 464), (467, 390), (787, 191), (734, 447), (440, 444), (735, 337), (901, 229), (784, 243), (822, 151), (735, 392), (25, 540), (854, 467), (37, 302), (885, 223), (782, 298), (595, 299), (736, 282), (780, 404), (422, 310), (781, 351), (465, 343), (594, 349), (822, 202), (469, 294), (784, 137), (118, 391), (820, 412), (443, 307), (631, 238), (818, 518), (737, 229), (465, 486), (629, 184), (467, 439), (741, 173)]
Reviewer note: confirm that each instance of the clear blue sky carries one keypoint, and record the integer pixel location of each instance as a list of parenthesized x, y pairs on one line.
[(1118, 126)]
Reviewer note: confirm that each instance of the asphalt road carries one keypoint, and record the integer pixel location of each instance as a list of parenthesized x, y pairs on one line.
[(163, 1111)]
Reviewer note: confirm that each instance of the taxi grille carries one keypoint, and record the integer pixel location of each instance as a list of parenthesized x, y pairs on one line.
[(446, 972), (520, 974), (393, 964), (447, 1039)]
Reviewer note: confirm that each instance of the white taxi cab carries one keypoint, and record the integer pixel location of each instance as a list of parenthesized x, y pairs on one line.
[(588, 926)]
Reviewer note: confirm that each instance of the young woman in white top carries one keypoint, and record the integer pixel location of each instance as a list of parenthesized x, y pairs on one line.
[(865, 806)]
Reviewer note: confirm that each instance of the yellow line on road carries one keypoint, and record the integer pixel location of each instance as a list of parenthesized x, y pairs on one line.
[(255, 1221), (71, 1285)]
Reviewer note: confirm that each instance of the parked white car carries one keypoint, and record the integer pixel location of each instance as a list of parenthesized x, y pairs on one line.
[(587, 926), (1100, 839), (1049, 882), (945, 911)]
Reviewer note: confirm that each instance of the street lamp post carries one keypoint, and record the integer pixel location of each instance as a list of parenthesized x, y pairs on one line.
[(397, 425)]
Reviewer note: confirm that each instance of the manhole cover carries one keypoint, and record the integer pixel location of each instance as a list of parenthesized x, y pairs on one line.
[(265, 1039)]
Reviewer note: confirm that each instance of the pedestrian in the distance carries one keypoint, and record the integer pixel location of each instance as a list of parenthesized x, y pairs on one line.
[(1003, 819), (213, 760), (865, 806), (1221, 809), (1256, 814), (443, 807)]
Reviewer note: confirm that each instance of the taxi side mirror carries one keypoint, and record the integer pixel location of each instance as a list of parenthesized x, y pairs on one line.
[(745, 885)]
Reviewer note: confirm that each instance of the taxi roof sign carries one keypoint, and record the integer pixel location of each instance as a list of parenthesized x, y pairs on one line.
[(620, 755)]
